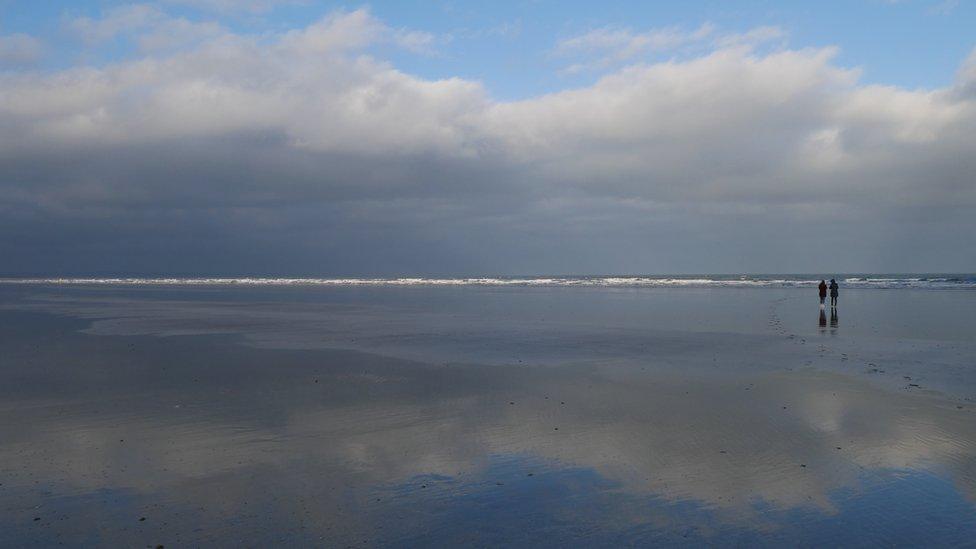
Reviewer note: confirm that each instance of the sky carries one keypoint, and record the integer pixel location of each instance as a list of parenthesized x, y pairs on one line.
[(301, 138)]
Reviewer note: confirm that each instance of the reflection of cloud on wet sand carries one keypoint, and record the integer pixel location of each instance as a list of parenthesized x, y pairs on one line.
[(711, 445), (270, 438), (725, 444)]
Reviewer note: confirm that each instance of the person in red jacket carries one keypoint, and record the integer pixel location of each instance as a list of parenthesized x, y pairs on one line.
[(823, 292)]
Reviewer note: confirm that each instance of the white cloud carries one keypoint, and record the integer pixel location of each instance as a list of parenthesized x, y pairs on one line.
[(304, 85), (724, 135), (118, 20), (966, 77), (343, 31), (610, 47), (752, 37), (232, 6), (178, 33), (19, 50), (152, 29), (415, 41), (946, 7), (336, 33), (625, 43)]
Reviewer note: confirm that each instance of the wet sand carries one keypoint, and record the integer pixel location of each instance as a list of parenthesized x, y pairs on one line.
[(516, 416)]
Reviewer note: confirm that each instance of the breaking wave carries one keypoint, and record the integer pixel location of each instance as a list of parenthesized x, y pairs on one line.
[(964, 282)]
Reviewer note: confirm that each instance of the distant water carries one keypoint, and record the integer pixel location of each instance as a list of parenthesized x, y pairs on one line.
[(940, 281)]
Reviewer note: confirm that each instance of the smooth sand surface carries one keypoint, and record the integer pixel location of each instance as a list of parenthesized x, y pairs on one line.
[(433, 416)]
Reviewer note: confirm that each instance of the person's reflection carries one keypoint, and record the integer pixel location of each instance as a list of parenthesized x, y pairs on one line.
[(823, 320), (833, 321)]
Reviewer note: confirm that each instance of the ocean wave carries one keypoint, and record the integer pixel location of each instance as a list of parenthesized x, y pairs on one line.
[(965, 282)]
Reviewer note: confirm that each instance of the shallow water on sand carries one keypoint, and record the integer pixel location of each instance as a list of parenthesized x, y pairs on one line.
[(433, 416)]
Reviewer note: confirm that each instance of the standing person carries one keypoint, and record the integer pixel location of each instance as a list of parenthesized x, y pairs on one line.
[(833, 293), (823, 292)]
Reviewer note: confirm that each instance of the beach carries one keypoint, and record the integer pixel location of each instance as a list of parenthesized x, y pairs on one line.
[(440, 414)]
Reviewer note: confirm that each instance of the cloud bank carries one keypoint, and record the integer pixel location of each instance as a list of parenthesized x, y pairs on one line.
[(303, 152)]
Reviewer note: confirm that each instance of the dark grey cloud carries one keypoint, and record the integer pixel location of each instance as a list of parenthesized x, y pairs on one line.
[(302, 154)]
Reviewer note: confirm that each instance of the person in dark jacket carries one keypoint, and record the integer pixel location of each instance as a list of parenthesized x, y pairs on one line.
[(823, 292), (833, 292)]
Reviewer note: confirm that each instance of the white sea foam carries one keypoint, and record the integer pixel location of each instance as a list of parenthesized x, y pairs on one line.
[(965, 282)]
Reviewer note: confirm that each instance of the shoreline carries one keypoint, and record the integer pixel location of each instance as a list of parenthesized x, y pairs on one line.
[(933, 281)]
